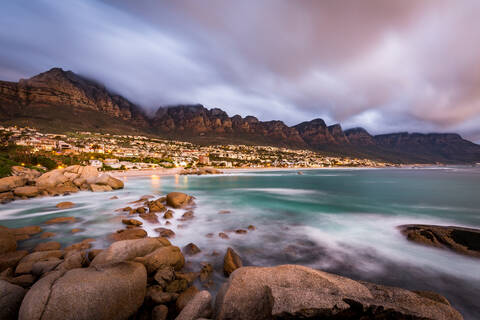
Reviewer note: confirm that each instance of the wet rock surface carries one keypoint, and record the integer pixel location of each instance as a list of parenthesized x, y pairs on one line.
[(461, 240)]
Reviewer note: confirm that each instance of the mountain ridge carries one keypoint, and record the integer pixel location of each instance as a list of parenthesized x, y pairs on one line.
[(62, 100)]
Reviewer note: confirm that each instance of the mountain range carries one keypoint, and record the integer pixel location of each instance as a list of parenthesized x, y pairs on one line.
[(62, 101)]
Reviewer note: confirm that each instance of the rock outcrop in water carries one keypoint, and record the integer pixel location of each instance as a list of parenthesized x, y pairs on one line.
[(465, 241), (56, 182)]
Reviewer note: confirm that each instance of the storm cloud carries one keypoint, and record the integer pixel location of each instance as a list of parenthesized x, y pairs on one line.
[(385, 65)]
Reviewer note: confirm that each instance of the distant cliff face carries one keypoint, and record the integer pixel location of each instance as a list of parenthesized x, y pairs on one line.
[(63, 101), (64, 88)]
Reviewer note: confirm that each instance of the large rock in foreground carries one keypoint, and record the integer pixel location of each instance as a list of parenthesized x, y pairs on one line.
[(291, 291), (465, 241), (111, 292), (11, 297)]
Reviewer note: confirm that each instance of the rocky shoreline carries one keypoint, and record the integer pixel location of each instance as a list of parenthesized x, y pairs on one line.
[(25, 183), (140, 277)]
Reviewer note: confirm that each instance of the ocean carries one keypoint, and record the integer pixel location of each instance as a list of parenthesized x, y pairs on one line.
[(342, 221)]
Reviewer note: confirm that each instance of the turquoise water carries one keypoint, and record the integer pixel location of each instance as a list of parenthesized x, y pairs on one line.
[(341, 221)]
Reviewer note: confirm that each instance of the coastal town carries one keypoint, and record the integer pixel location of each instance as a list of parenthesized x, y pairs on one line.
[(126, 152)]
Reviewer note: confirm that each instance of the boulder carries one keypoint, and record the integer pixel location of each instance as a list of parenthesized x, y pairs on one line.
[(12, 182), (46, 246), (41, 267), (108, 180), (150, 217), (164, 275), (30, 174), (11, 259), (187, 215), (185, 297), (160, 312), (128, 234), (461, 240), (177, 286), (169, 256), (61, 190), (100, 188), (164, 232), (111, 292), (27, 191), (28, 230), (191, 249), (6, 197), (128, 250), (8, 243), (132, 222), (25, 265), (223, 235), (156, 206), (24, 280), (51, 179), (168, 214), (10, 300), (231, 262), (82, 245), (65, 205), (156, 295), (178, 199), (199, 307), (292, 291)]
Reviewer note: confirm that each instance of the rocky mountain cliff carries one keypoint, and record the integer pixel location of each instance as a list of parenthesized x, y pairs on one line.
[(59, 100)]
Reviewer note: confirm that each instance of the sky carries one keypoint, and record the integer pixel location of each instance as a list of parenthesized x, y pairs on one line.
[(387, 66)]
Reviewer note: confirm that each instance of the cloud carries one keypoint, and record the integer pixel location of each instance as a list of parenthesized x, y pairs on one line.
[(385, 65)]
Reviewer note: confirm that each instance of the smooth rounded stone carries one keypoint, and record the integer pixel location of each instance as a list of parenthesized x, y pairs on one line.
[(73, 260), (8, 242), (51, 179), (61, 220), (99, 188), (185, 297), (149, 217), (12, 182), (11, 259), (223, 235), (11, 297), (178, 199), (128, 234), (47, 234), (41, 267), (206, 272), (25, 265), (169, 256), (156, 294), (46, 246), (113, 198), (27, 191), (191, 249), (164, 232), (82, 245), (87, 172), (65, 205), (189, 276), (168, 214), (110, 181), (188, 215), (24, 280), (111, 292), (240, 231), (140, 210), (132, 222), (461, 240), (198, 307), (128, 250), (160, 312), (231, 262), (164, 275), (29, 230), (6, 197), (293, 291)]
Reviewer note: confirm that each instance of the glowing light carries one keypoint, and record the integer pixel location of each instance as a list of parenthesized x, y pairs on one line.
[(60, 167), (23, 164), (155, 181)]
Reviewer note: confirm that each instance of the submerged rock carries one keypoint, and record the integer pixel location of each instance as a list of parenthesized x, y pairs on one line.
[(65, 205), (164, 232), (61, 220), (292, 291), (465, 241), (191, 249)]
